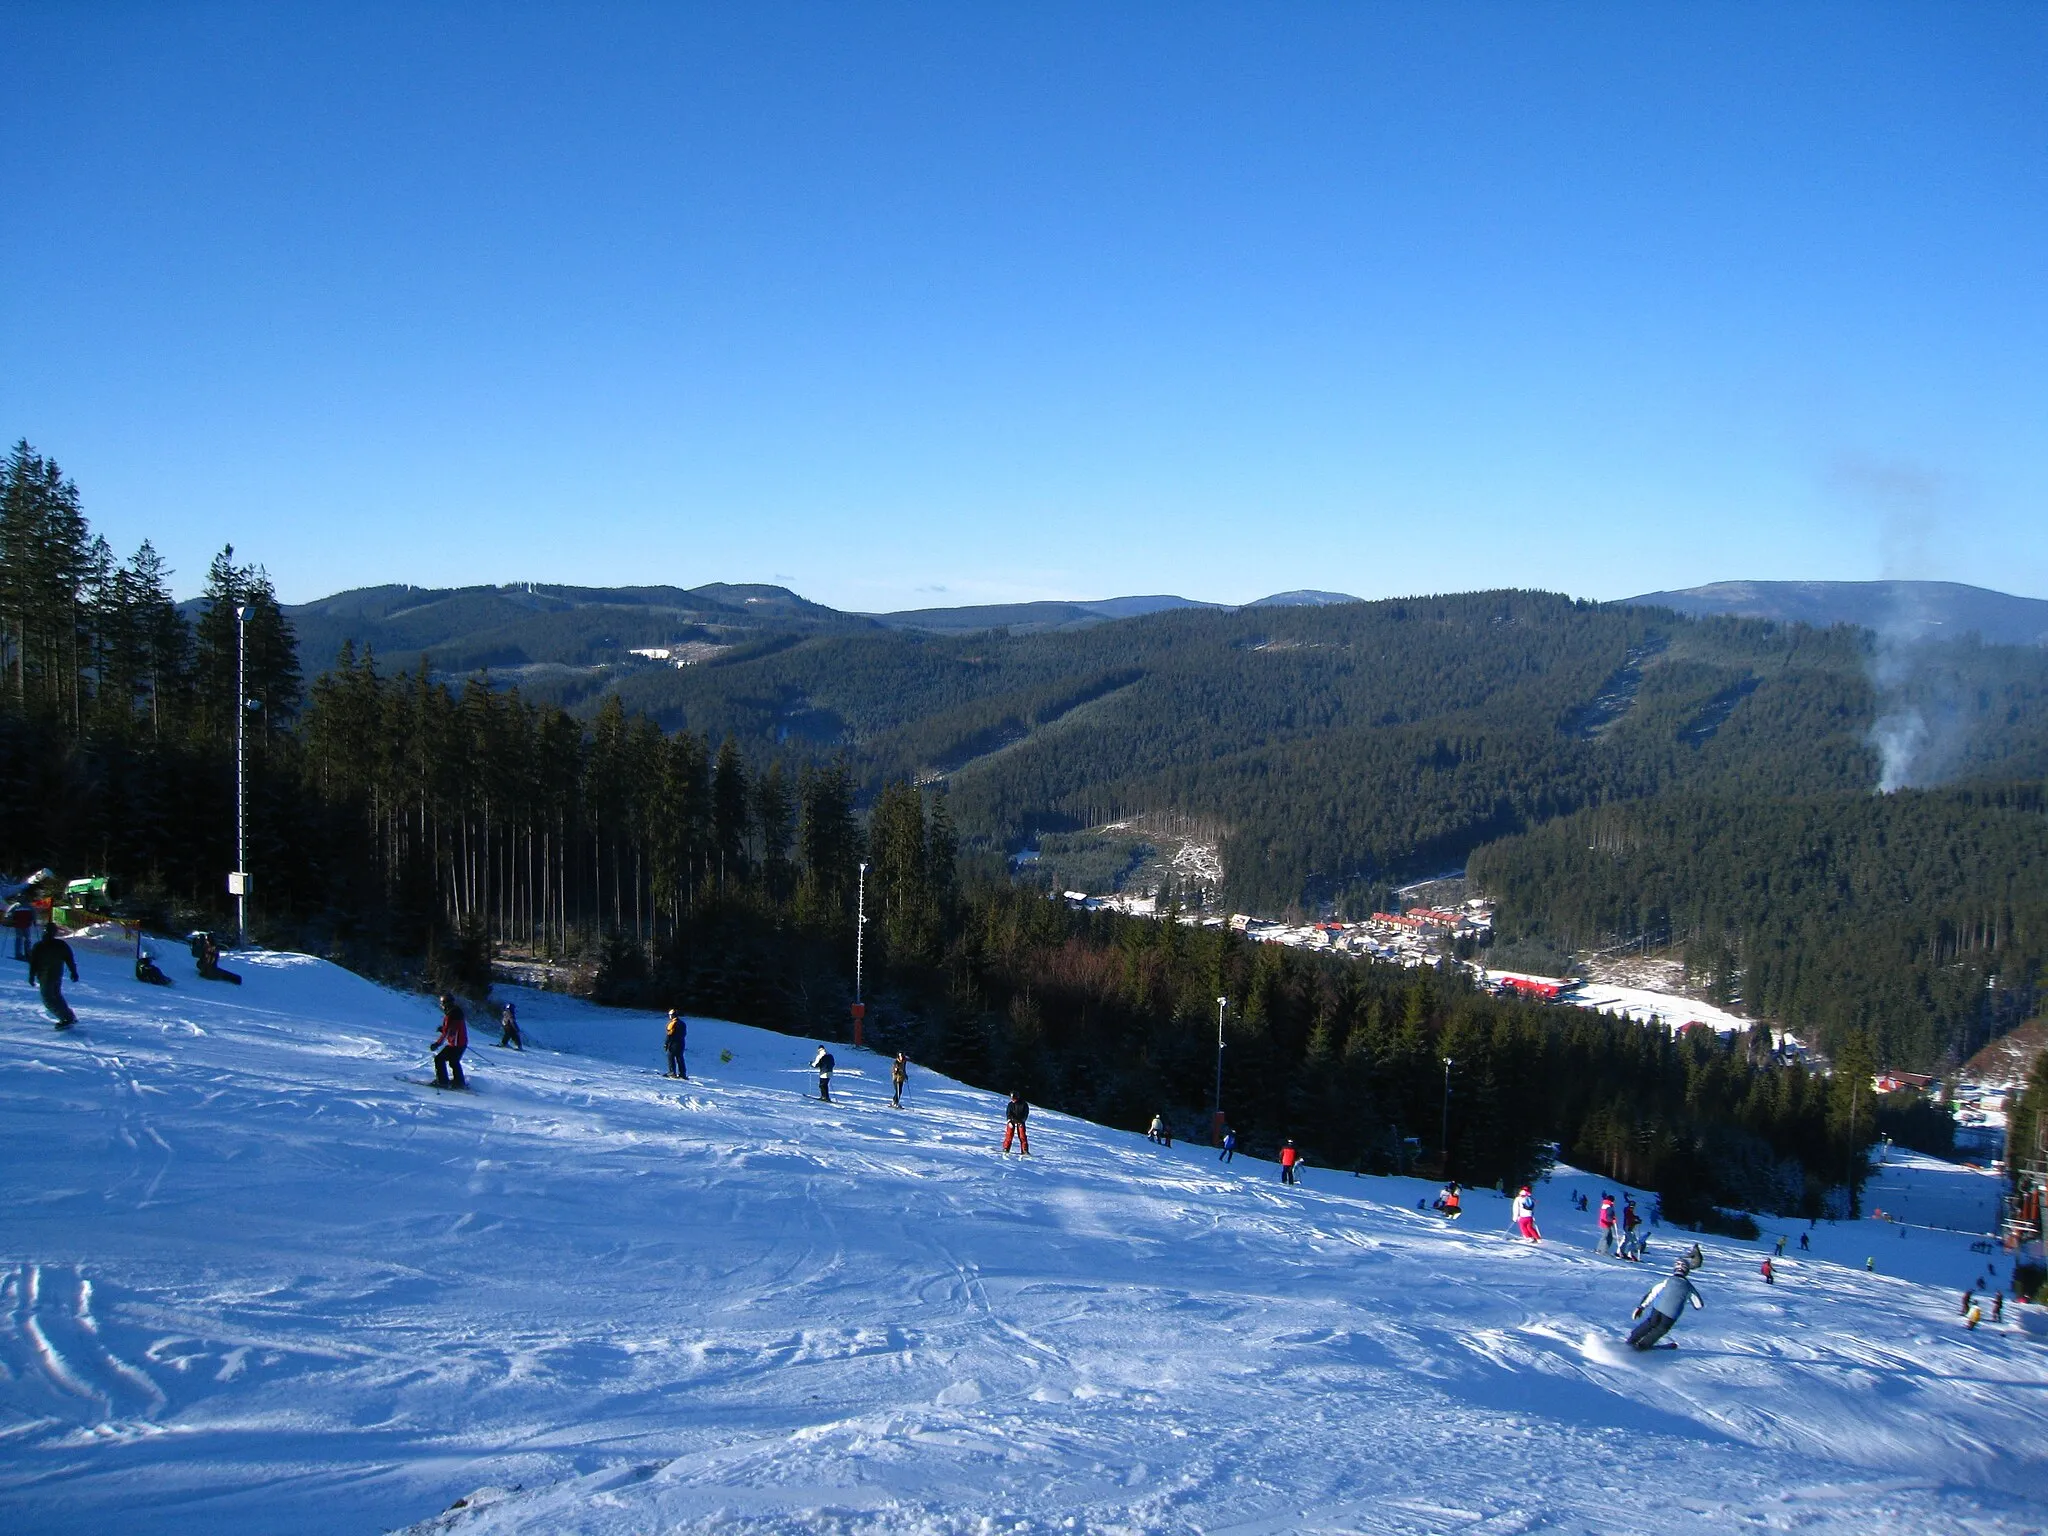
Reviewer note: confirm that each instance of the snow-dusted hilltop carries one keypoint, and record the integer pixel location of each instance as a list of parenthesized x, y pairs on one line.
[(252, 1281)]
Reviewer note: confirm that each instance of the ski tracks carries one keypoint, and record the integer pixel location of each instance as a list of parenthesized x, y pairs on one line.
[(58, 1368)]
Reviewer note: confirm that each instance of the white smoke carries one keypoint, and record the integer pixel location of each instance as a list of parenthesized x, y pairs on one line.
[(1919, 734), (1899, 737)]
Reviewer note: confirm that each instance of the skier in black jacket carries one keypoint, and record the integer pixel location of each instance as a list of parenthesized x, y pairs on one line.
[(47, 963), (1014, 1117)]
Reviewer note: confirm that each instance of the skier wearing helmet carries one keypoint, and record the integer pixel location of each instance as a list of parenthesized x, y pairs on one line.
[(1665, 1300), (449, 1045), (1525, 1215)]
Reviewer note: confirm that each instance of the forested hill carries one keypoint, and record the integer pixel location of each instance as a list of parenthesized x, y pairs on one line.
[(1918, 918), (1336, 747), (1329, 749)]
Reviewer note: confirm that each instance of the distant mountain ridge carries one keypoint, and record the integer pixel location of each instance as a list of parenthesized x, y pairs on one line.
[(1910, 609), (525, 625)]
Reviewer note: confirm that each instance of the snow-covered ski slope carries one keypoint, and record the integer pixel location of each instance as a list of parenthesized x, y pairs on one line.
[(250, 1281)]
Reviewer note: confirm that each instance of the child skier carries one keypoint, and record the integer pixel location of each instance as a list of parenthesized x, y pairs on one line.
[(1664, 1301), (1015, 1113), (673, 1039), (1606, 1244), (1525, 1215), (1770, 1275), (822, 1064), (899, 1074), (450, 1044)]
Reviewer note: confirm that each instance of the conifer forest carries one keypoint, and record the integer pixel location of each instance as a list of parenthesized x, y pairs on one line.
[(1612, 776)]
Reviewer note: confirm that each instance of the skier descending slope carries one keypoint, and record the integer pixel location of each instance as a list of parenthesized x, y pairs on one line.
[(1606, 1224), (1525, 1215), (1014, 1117), (899, 1074), (450, 1044), (47, 962), (1664, 1301), (822, 1064)]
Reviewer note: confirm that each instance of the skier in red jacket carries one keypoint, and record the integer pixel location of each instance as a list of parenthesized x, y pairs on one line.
[(450, 1044), (1288, 1158)]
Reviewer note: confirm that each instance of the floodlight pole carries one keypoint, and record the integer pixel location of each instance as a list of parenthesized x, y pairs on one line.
[(1222, 1003), (860, 934), (1446, 1142), (241, 880)]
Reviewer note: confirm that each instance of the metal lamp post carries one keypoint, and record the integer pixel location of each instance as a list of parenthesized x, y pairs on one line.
[(1216, 1129), (860, 934), (238, 882), (1446, 1140)]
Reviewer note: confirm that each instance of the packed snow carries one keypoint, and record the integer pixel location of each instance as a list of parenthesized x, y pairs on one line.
[(254, 1280)]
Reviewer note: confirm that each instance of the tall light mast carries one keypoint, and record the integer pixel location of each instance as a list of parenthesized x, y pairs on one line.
[(238, 882), (860, 934)]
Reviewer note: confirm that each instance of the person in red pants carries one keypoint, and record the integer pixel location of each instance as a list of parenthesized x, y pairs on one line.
[(1013, 1124), (450, 1044)]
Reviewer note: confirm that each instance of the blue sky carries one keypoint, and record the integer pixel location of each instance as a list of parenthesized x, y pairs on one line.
[(903, 306)]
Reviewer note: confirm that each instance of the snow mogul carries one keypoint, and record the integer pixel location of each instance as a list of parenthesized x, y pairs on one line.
[(1663, 1302)]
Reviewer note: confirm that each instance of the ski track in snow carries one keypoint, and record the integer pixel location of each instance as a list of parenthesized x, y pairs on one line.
[(250, 1282)]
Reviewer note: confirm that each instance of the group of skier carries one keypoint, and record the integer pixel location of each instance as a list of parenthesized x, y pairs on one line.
[(50, 960), (1619, 1235)]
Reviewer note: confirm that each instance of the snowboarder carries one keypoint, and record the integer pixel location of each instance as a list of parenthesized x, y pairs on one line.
[(822, 1064), (673, 1040), (1014, 1116), (508, 1030), (1664, 1301), (48, 960), (1229, 1153), (1631, 1244), (1288, 1158), (1156, 1131), (899, 1074), (1606, 1245), (1450, 1202), (1525, 1215), (206, 955), (449, 1045), (146, 969), (1770, 1275)]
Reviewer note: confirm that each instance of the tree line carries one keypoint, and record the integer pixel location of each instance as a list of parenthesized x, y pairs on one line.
[(412, 826)]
